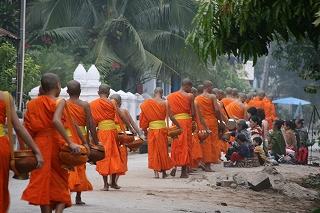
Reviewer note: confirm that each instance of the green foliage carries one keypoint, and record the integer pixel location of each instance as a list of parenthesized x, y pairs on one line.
[(245, 28), (146, 37), (301, 57), (8, 66), (140, 35), (9, 15), (8, 69), (55, 59), (222, 74)]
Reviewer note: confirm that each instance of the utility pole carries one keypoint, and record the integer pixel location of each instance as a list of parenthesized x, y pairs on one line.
[(20, 70)]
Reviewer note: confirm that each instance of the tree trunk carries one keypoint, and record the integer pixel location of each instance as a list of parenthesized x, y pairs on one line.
[(266, 70)]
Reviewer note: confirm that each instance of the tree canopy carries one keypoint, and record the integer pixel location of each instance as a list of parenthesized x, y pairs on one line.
[(245, 28)]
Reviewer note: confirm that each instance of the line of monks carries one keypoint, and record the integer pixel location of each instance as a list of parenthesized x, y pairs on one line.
[(47, 127)]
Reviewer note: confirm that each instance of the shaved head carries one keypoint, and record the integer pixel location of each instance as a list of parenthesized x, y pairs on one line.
[(261, 94), (73, 88), (49, 82), (194, 91), (186, 85), (207, 84), (229, 91), (186, 81), (200, 89), (220, 94), (242, 97), (104, 89), (158, 91), (117, 98), (235, 92), (215, 91)]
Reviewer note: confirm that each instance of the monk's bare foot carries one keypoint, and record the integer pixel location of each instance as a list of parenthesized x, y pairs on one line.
[(164, 175), (173, 172), (184, 175), (115, 186), (208, 169), (78, 199), (80, 203), (156, 175), (201, 166), (105, 188)]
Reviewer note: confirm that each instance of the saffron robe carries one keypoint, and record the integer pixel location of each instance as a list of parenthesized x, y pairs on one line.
[(211, 146), (236, 110), (180, 103), (102, 110), (196, 151), (4, 162), (122, 148), (49, 184), (78, 181), (226, 101), (269, 110), (158, 156)]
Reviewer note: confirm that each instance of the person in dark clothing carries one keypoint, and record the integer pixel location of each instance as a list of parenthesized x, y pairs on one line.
[(277, 144), (242, 151)]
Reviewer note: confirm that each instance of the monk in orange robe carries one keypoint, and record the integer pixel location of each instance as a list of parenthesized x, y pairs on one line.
[(48, 186), (121, 127), (228, 99), (103, 113), (182, 107), (208, 110), (269, 110), (196, 150), (80, 112), (237, 109), (257, 101), (5, 145), (152, 121)]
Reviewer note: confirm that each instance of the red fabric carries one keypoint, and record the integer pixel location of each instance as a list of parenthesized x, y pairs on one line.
[(236, 157), (302, 156), (49, 184)]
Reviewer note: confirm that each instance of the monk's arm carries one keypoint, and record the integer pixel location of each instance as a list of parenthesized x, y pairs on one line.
[(123, 118), (133, 124), (193, 111), (23, 133), (174, 121), (90, 123), (202, 121), (59, 126), (216, 107)]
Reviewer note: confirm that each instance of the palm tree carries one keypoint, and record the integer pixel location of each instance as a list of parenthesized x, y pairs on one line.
[(146, 37)]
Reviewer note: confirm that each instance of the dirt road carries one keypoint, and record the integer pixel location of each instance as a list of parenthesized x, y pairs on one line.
[(140, 192)]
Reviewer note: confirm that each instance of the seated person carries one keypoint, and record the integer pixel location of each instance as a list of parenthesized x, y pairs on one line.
[(258, 150), (242, 128), (276, 144), (289, 136), (242, 151)]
